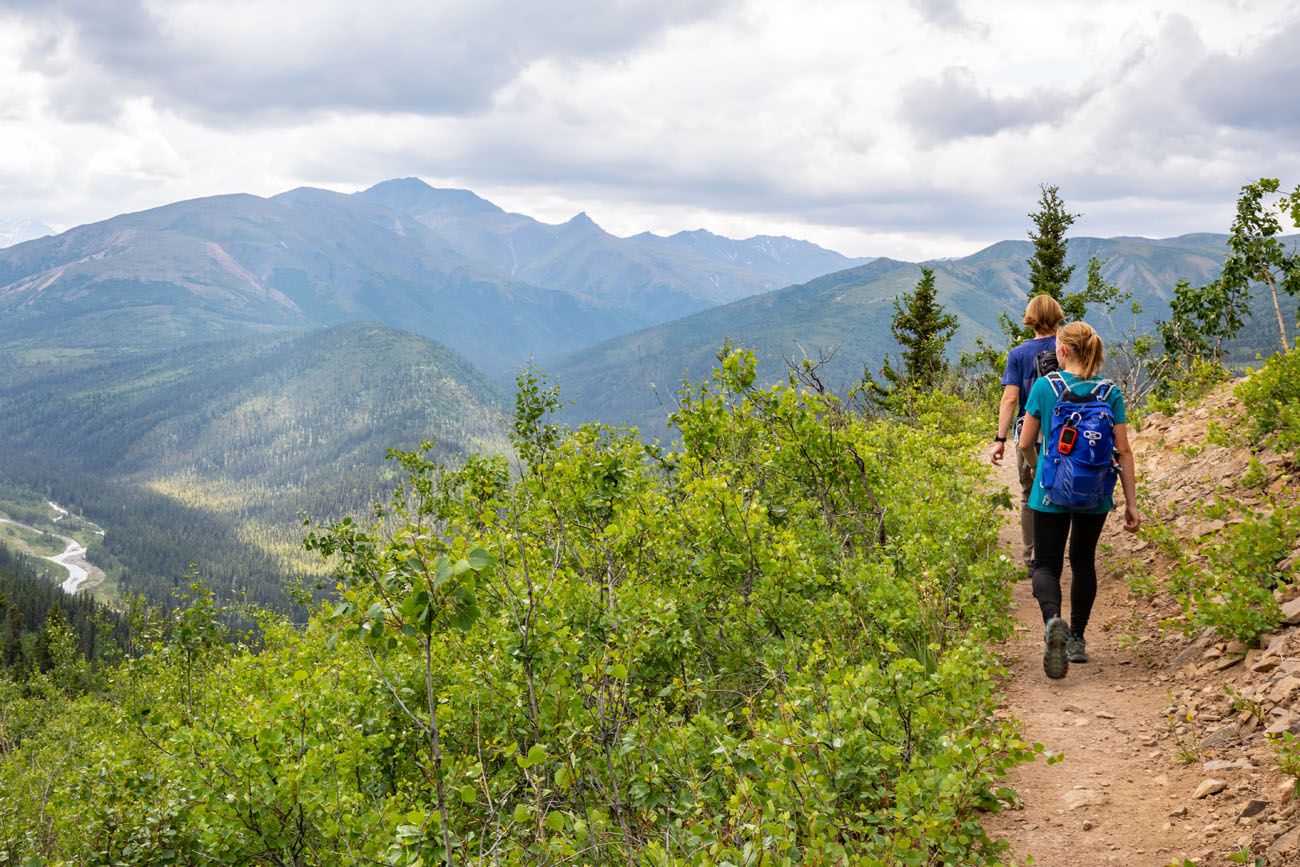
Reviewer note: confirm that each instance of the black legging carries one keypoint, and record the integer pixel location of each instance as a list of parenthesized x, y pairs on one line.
[(1050, 532)]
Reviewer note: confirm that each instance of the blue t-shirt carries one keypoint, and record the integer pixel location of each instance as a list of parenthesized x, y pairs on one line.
[(1021, 368), (1042, 400)]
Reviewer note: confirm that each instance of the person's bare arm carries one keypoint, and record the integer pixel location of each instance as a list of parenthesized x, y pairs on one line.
[(1127, 478), (1006, 414)]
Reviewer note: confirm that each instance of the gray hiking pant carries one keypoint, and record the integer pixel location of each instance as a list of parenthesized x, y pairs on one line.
[(1026, 513)]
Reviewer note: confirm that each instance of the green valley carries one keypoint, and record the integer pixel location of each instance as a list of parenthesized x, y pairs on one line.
[(209, 454)]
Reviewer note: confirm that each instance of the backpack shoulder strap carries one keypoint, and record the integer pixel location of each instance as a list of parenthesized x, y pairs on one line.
[(1103, 389), (1057, 382)]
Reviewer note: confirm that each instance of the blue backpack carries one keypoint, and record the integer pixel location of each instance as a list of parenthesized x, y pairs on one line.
[(1079, 468)]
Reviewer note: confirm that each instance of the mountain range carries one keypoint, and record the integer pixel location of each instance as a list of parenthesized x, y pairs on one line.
[(846, 316), (195, 375), (497, 287), (652, 278)]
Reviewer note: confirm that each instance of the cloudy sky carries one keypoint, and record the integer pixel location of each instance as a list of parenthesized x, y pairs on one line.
[(909, 128)]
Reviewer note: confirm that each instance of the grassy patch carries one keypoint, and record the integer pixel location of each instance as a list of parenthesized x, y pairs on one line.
[(30, 541)]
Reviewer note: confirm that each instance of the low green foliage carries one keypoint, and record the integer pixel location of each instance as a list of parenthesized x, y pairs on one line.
[(1227, 580), (769, 644), (1271, 398), (1139, 579), (1287, 753), (1184, 386)]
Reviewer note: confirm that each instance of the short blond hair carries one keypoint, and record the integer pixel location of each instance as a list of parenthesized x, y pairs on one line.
[(1085, 345), (1044, 314)]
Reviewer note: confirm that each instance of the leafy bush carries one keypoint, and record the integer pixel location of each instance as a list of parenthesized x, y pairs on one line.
[(1287, 753), (768, 643), (1227, 581), (1271, 397), (1182, 386)]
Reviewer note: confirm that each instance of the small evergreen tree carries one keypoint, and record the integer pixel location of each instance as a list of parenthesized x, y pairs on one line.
[(1048, 273), (11, 650), (923, 328)]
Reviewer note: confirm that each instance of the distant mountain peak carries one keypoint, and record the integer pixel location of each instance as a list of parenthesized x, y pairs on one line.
[(403, 194), (391, 184), (581, 219), (16, 231)]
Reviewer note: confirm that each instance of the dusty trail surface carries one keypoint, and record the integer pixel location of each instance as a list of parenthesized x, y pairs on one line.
[(1118, 796)]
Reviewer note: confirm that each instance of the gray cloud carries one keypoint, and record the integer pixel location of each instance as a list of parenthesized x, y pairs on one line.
[(1253, 90), (956, 107), (444, 58), (947, 14)]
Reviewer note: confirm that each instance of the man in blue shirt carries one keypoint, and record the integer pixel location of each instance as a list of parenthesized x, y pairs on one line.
[(1044, 315)]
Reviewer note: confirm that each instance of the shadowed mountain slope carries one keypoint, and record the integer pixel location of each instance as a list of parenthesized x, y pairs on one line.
[(633, 379)]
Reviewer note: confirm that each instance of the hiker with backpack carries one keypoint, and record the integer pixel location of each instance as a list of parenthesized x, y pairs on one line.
[(1025, 364), (1085, 449)]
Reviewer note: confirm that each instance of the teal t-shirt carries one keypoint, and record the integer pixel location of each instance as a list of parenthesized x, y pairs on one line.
[(1041, 402)]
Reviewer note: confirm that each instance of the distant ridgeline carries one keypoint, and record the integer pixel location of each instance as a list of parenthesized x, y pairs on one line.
[(194, 376)]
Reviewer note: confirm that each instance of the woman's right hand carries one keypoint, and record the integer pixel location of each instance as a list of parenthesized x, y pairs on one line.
[(1132, 520)]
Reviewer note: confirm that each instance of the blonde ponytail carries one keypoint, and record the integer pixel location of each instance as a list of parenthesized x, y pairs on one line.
[(1085, 345)]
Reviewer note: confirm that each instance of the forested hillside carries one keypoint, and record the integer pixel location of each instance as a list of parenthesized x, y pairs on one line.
[(631, 379), (33, 610), (209, 454)]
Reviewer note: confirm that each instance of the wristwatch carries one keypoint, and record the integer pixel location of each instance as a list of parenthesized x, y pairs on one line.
[(999, 439)]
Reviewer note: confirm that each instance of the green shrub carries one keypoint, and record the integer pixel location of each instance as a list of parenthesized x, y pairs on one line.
[(1181, 387), (1271, 397), (770, 643), (1227, 581), (1287, 753)]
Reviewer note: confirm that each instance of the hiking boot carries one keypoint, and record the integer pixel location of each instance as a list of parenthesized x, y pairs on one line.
[(1076, 649), (1055, 661)]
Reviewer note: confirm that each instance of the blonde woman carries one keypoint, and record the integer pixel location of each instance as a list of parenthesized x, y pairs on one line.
[(1080, 353)]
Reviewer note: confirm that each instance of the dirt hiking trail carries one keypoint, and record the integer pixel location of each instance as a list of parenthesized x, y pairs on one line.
[(1111, 798), (1167, 738)]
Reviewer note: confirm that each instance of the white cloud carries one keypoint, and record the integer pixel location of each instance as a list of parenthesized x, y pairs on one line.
[(908, 128)]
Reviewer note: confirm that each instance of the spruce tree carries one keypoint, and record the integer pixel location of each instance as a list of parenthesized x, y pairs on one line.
[(11, 650), (1048, 273), (923, 328)]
